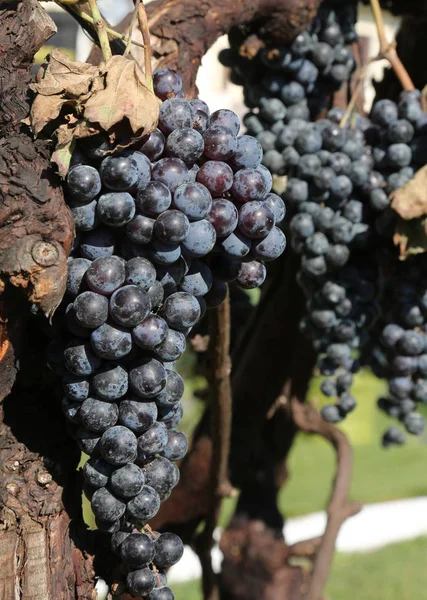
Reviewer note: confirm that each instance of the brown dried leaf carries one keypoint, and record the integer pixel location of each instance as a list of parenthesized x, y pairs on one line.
[(411, 237), (60, 75), (45, 109), (125, 97), (64, 148), (410, 201)]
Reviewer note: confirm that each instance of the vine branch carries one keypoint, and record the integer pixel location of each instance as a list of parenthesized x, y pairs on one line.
[(101, 31), (388, 51), (339, 508), (221, 410), (143, 25)]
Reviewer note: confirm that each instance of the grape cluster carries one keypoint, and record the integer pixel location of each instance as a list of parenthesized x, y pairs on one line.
[(402, 354), (161, 230), (284, 85)]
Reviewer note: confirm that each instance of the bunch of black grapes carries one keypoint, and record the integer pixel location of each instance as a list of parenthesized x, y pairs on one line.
[(161, 230), (284, 85)]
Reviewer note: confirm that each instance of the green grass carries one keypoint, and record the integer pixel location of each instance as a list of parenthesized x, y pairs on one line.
[(394, 573)]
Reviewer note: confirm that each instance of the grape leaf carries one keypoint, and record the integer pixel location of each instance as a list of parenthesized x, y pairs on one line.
[(410, 201), (111, 98), (125, 95)]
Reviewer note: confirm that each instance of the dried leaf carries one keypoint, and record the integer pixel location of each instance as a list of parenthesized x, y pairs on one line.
[(411, 237), (64, 148), (410, 201), (60, 75), (125, 97), (44, 110)]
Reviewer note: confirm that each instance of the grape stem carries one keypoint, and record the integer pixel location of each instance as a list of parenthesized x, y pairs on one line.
[(352, 104), (388, 51), (101, 30), (221, 409), (132, 26), (340, 508), (79, 12), (143, 25)]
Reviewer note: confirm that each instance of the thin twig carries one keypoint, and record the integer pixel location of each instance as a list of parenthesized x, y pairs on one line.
[(111, 32), (339, 508), (132, 26), (352, 104), (101, 30), (220, 367), (389, 51), (143, 25)]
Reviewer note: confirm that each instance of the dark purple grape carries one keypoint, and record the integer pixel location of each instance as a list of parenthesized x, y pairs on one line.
[(115, 209), (236, 245), (175, 113), (86, 216), (79, 359), (216, 176), (171, 416), (226, 118), (197, 280), (248, 185), (161, 475), (164, 254), (139, 271), (140, 229), (111, 341), (77, 268), (217, 294), (176, 447), (154, 145), (141, 582), (201, 121), (136, 415), (266, 177), (105, 506), (144, 168), (172, 172), (181, 310), (270, 247), (252, 275), (224, 217), (137, 549), (118, 445), (90, 309), (127, 481), (129, 305), (110, 382), (96, 472), (173, 390), (145, 505), (151, 332), (167, 83), (75, 388), (186, 144), (98, 415), (220, 143), (105, 275), (152, 441), (156, 294), (194, 200), (97, 244), (384, 113), (119, 173), (154, 199), (83, 183), (201, 238), (147, 377), (88, 441), (172, 347), (198, 104), (168, 550), (171, 227), (276, 205), (161, 593), (256, 220)]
